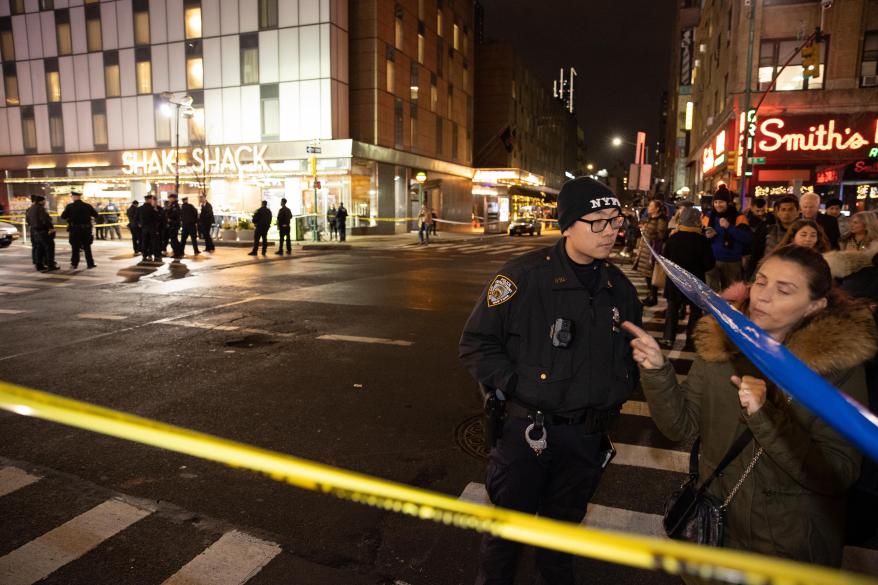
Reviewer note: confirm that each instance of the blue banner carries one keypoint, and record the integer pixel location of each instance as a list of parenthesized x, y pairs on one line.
[(851, 419)]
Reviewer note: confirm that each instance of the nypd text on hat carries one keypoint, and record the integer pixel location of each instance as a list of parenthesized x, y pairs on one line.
[(599, 202)]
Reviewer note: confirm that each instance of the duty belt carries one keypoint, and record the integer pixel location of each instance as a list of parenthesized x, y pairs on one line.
[(595, 421)]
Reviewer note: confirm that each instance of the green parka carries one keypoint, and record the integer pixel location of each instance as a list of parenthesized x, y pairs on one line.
[(792, 504)]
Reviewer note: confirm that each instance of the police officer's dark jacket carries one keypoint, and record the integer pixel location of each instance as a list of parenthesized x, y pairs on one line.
[(188, 214), (506, 343), (172, 215), (284, 215), (79, 213), (148, 216), (38, 218)]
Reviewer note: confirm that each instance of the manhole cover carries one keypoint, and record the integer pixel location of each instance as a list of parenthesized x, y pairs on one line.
[(470, 436)]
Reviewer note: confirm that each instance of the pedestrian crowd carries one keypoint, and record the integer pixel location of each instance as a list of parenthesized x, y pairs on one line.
[(557, 345)]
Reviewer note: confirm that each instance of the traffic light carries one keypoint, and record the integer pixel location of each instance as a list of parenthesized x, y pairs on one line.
[(732, 161), (811, 60)]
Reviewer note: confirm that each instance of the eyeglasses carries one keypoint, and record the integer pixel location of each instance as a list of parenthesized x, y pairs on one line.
[(599, 225)]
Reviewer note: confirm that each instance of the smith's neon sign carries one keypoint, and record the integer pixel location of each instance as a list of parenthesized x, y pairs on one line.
[(821, 137)]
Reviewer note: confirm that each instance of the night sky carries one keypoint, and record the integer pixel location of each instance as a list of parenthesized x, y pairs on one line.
[(619, 48)]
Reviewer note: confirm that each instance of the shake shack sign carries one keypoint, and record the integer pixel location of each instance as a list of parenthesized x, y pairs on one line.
[(206, 161)]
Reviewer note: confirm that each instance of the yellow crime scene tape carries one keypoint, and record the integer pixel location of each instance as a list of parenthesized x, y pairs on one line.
[(636, 551)]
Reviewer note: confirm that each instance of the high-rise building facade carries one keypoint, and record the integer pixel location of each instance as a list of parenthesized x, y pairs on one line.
[(246, 100), (814, 130)]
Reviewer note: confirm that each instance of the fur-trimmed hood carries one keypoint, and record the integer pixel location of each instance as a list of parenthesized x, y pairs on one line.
[(833, 341), (843, 263)]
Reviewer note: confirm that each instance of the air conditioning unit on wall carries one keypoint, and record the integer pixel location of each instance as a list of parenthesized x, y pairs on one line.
[(869, 80)]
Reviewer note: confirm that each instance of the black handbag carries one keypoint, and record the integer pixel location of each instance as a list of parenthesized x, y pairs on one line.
[(693, 515)]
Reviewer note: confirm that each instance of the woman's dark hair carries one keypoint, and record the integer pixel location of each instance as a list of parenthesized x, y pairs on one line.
[(822, 244)]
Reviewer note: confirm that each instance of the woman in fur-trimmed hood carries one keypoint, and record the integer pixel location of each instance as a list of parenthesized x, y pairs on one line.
[(792, 503)]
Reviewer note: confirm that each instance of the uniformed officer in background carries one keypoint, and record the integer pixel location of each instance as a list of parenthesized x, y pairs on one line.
[(149, 221), (79, 215), (42, 234), (546, 335)]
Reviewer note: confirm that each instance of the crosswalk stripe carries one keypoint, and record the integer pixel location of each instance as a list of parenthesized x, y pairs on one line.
[(358, 339), (232, 560), (652, 458), (13, 479), (474, 249), (636, 408), (502, 249), (101, 316), (597, 516), (13, 311), (8, 288), (46, 554)]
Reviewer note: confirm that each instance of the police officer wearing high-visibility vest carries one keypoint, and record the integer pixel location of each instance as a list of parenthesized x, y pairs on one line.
[(545, 338), (79, 215)]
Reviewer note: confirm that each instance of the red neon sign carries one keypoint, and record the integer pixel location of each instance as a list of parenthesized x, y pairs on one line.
[(828, 136)]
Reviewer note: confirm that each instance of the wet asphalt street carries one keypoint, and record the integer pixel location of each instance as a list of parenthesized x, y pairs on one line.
[(346, 357)]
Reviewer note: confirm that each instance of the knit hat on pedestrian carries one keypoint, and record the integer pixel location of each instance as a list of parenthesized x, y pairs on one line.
[(583, 195), (722, 194), (690, 217)]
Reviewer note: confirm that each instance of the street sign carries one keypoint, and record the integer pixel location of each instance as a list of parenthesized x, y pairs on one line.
[(756, 160), (313, 150)]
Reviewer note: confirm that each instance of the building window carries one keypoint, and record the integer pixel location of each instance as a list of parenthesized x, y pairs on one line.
[(420, 48), (10, 83), (439, 21), (112, 80), (397, 28), (93, 38), (454, 139), (99, 124), (29, 129), (413, 123), (439, 136), (16, 6), (869, 64), (62, 30), (141, 22), (434, 93), (192, 18), (420, 9), (196, 122), (466, 76), (450, 115), (440, 56), (7, 40), (194, 65), (465, 48), (397, 123), (267, 14), (56, 128), (47, 4), (391, 71), (163, 116), (414, 85), (53, 80), (270, 109), (143, 69), (249, 58), (456, 37), (773, 53)]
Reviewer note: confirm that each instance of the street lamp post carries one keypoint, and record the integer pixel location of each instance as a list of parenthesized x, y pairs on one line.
[(183, 104)]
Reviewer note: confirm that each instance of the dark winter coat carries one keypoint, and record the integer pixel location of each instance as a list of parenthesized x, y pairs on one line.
[(792, 504), (262, 219), (131, 214), (284, 216), (691, 251), (172, 216), (206, 219), (188, 214), (728, 244), (341, 216), (148, 217), (38, 218)]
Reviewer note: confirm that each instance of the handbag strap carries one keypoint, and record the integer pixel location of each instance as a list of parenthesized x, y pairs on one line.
[(730, 455)]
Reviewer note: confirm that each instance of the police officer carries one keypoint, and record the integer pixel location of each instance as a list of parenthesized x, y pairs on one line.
[(172, 224), (79, 216), (133, 227), (262, 221), (148, 220), (284, 217), (42, 234), (546, 334), (189, 218), (205, 222)]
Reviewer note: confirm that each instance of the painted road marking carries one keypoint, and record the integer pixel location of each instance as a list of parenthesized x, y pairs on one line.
[(215, 327), (232, 560), (12, 479), (664, 459), (503, 249), (474, 249), (597, 516), (8, 288), (358, 339), (13, 311), (46, 554), (102, 316)]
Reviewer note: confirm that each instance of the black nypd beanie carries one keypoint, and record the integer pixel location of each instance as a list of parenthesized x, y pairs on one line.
[(583, 195)]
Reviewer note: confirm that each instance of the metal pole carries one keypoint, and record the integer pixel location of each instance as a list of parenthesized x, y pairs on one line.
[(745, 167), (177, 154)]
